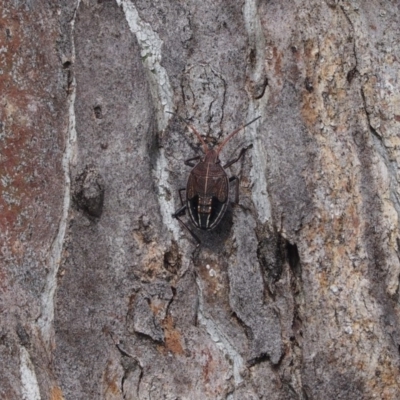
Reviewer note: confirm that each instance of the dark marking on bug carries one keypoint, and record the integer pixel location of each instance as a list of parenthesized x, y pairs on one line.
[(207, 189)]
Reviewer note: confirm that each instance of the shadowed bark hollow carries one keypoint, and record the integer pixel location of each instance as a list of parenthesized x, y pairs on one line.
[(295, 295)]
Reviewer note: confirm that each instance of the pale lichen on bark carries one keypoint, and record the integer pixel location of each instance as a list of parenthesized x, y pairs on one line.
[(30, 387)]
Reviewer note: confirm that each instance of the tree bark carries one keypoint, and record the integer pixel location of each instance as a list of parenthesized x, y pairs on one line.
[(295, 295)]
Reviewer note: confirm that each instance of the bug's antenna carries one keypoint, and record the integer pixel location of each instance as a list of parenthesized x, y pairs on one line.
[(232, 134), (205, 147)]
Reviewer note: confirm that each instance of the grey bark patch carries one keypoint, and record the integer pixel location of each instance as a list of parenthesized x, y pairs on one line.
[(246, 295), (144, 320), (341, 386), (289, 149), (150, 310), (271, 254), (205, 89)]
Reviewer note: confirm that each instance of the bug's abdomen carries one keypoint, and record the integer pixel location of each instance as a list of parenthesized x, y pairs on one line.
[(206, 212), (207, 194)]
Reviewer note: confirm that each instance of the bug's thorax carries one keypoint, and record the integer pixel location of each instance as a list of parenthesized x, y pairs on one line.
[(208, 169), (211, 157)]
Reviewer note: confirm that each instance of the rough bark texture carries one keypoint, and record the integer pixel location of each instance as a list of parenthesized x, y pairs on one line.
[(295, 295)]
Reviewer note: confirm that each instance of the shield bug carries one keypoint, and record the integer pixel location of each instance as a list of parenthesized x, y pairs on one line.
[(207, 188)]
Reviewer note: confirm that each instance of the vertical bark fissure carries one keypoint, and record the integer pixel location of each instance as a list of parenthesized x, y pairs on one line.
[(127, 370), (45, 321), (351, 74), (383, 152)]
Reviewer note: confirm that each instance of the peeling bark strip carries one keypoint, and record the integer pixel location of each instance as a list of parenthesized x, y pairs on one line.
[(295, 295)]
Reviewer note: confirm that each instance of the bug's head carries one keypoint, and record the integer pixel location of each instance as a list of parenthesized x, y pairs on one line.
[(211, 156)]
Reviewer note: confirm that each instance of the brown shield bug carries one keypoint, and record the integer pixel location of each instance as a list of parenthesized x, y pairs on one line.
[(207, 188)]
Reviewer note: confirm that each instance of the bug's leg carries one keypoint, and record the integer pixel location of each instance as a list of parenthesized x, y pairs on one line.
[(195, 237), (189, 161), (179, 213), (180, 195), (236, 179), (242, 152)]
